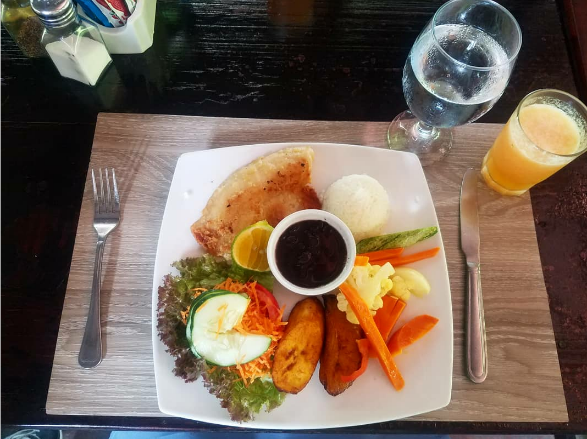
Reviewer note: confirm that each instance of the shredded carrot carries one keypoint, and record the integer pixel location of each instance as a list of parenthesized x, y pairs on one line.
[(255, 321), (184, 315), (201, 307), (256, 298), (198, 292), (221, 319), (235, 286), (361, 261)]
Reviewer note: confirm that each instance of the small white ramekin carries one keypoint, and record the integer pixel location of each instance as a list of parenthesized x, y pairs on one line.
[(305, 215)]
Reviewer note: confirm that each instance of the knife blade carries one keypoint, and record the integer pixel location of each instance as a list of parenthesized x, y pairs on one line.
[(470, 244)]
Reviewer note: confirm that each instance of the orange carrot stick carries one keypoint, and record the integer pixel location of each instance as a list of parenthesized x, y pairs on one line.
[(392, 319), (361, 260), (386, 321), (384, 254), (364, 350), (366, 321), (403, 260), (412, 331), (383, 314)]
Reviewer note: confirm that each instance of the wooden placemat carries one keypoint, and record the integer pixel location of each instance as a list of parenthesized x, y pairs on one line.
[(524, 382)]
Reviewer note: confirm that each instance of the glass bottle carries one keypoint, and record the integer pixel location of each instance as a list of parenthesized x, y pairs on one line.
[(24, 27), (74, 45)]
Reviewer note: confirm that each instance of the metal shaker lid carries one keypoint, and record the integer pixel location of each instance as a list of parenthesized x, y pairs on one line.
[(54, 13)]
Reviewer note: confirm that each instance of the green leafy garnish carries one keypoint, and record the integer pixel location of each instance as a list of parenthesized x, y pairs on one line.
[(242, 274), (203, 272), (175, 295), (242, 402)]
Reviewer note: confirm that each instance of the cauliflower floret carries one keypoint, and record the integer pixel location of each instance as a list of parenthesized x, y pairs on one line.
[(407, 281), (400, 289), (372, 282)]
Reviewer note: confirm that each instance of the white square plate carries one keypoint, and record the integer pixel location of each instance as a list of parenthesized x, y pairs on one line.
[(426, 366)]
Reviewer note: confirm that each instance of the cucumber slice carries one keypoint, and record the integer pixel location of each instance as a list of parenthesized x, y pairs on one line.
[(232, 347), (209, 329), (196, 303)]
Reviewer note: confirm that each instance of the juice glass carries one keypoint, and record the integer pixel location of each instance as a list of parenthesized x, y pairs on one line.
[(547, 131)]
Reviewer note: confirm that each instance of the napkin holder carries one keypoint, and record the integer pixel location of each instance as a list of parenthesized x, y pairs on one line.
[(135, 36)]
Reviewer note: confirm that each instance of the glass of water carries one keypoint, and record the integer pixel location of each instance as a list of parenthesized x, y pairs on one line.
[(457, 69)]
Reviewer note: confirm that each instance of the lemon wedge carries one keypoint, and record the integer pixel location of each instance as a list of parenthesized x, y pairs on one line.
[(249, 249)]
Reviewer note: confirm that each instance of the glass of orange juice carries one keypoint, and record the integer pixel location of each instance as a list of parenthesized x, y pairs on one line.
[(547, 131)]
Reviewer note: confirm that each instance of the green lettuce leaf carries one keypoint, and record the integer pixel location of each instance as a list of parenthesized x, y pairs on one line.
[(174, 296), (244, 275), (242, 402), (203, 272)]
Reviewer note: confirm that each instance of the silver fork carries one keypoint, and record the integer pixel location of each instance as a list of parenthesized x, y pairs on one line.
[(106, 218)]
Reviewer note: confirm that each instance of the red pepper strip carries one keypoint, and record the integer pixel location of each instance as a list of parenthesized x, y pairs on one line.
[(364, 350)]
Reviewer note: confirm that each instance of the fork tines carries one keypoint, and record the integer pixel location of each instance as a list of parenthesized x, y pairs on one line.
[(105, 201)]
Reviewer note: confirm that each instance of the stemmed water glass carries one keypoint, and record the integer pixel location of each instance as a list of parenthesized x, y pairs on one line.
[(457, 69)]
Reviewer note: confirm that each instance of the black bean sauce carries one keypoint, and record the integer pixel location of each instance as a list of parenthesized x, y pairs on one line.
[(310, 253)]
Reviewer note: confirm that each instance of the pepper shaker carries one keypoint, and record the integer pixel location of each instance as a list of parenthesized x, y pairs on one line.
[(23, 26)]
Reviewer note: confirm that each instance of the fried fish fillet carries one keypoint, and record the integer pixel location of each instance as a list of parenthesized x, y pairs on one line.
[(269, 188)]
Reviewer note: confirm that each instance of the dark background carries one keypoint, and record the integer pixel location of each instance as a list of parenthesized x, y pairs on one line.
[(228, 58), (322, 59)]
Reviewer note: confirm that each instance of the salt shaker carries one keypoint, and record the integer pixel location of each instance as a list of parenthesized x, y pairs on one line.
[(74, 45)]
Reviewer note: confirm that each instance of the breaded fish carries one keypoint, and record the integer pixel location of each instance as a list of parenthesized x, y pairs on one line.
[(269, 188)]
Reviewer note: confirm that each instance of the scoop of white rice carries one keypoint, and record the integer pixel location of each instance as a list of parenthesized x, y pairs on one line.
[(360, 202)]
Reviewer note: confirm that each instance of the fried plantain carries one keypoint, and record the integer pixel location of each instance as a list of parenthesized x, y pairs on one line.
[(299, 350), (341, 355)]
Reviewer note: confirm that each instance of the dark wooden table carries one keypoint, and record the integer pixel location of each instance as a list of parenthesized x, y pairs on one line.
[(308, 59)]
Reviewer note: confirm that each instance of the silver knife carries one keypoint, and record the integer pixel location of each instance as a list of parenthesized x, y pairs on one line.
[(476, 341)]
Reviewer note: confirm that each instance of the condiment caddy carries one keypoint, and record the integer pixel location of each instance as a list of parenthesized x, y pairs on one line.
[(135, 36)]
